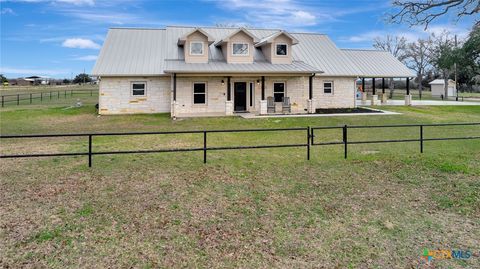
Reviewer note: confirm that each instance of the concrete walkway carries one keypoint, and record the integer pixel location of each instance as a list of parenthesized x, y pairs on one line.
[(423, 103), (253, 116)]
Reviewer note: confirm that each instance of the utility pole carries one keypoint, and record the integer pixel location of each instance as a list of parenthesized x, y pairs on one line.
[(455, 66)]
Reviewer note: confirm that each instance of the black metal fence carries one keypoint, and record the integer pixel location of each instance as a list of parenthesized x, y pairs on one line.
[(41, 96), (310, 135)]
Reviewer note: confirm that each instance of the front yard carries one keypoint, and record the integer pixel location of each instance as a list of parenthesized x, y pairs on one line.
[(250, 208)]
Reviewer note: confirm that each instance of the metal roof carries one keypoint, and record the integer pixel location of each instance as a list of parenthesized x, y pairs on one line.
[(137, 52), (132, 52), (179, 66), (440, 81), (377, 63)]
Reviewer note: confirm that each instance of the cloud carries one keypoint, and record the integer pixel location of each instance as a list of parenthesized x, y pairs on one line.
[(31, 71), (71, 2), (86, 58), (6, 11), (80, 43)]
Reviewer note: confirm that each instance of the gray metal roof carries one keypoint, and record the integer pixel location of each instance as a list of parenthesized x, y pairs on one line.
[(179, 66), (377, 63), (130, 52)]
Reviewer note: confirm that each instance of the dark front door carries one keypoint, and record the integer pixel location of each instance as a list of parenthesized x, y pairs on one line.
[(240, 96)]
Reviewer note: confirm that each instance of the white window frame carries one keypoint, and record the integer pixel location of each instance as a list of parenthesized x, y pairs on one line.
[(197, 42), (331, 88), (242, 43), (284, 89), (276, 44), (193, 93), (138, 82)]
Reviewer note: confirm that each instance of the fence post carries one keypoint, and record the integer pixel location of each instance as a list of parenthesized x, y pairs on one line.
[(91, 92), (41, 96), (204, 146), (71, 93), (58, 94), (2, 100), (308, 143), (30, 98), (18, 99), (90, 150), (65, 94), (345, 141), (421, 138), (312, 136)]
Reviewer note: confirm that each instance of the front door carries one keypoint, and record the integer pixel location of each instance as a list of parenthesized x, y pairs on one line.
[(240, 96)]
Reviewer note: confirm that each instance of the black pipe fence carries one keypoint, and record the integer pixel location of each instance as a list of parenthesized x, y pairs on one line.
[(44, 95), (310, 135)]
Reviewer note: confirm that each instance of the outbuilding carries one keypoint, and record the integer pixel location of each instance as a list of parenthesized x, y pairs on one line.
[(438, 90)]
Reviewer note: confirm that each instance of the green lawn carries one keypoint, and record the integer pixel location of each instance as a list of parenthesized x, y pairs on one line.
[(249, 208)]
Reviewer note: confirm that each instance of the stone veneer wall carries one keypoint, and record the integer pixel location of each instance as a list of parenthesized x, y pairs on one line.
[(343, 95), (116, 95)]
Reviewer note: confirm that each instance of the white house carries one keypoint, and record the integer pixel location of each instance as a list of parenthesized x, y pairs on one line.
[(438, 89), (191, 71)]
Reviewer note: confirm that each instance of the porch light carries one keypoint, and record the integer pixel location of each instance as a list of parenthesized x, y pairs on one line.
[(258, 82), (223, 82)]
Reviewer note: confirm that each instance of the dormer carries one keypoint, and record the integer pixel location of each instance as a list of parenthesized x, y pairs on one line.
[(195, 46), (238, 47), (277, 47)]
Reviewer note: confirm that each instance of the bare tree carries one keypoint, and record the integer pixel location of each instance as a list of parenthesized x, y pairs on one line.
[(425, 11), (418, 58), (396, 45)]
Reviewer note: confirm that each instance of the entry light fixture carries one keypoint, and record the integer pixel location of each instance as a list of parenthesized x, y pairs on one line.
[(223, 82), (258, 82)]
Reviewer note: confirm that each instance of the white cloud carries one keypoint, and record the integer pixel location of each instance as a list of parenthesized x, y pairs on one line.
[(78, 2), (7, 10), (86, 58), (80, 43), (33, 71)]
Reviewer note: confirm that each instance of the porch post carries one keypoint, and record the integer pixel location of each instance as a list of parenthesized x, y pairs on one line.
[(229, 94), (174, 87), (384, 96), (364, 92), (173, 110), (374, 93), (263, 87), (229, 103), (310, 103), (408, 97), (262, 108)]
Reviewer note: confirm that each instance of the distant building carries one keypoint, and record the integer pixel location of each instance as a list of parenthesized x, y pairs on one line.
[(438, 89)]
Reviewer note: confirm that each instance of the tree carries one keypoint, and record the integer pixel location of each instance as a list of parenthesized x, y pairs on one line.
[(418, 58), (445, 55), (3, 78), (470, 57), (66, 81), (424, 12), (396, 46), (82, 78)]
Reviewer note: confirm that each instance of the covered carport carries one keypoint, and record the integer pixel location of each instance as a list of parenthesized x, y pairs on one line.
[(374, 65)]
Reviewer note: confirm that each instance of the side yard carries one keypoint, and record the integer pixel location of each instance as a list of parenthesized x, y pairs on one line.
[(251, 208)]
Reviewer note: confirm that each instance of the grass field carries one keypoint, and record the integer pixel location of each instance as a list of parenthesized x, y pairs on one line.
[(251, 208)]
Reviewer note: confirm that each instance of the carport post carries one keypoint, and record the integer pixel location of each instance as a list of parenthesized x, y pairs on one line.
[(373, 86), (383, 85), (263, 87), (408, 86), (229, 88)]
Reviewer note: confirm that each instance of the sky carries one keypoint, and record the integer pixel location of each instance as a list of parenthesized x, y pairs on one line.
[(61, 38)]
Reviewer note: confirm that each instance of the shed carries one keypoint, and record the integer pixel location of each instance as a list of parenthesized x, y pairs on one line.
[(437, 87)]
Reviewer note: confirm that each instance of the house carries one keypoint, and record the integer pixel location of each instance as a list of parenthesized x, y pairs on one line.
[(438, 89), (208, 71)]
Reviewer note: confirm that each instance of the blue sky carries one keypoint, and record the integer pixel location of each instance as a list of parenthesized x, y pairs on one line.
[(61, 38)]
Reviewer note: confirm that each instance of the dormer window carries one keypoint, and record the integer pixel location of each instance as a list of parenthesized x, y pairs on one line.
[(240, 49), (281, 49), (196, 48)]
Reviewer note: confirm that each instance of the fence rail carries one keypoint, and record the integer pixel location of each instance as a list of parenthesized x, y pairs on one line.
[(310, 135), (44, 95)]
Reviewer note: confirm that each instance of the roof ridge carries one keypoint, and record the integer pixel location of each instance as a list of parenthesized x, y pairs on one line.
[(366, 50), (137, 28), (224, 27)]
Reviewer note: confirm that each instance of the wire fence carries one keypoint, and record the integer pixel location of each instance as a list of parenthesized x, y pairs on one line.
[(30, 98), (311, 133)]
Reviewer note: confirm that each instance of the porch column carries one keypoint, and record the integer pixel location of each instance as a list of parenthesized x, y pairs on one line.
[(364, 92), (374, 93), (408, 97), (263, 103), (310, 104), (384, 96), (229, 103), (173, 109), (174, 87)]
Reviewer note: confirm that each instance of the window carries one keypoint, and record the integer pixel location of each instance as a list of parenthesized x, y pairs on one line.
[(278, 91), (196, 48), (139, 88), (328, 87), (240, 48), (281, 50), (199, 93)]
